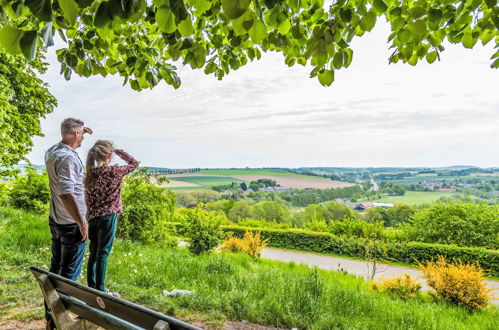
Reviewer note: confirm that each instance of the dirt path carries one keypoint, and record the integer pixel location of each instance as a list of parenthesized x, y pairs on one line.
[(355, 267)]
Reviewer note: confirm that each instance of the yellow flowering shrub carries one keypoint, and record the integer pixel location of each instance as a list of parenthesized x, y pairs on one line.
[(251, 244), (232, 244), (403, 287), (460, 284)]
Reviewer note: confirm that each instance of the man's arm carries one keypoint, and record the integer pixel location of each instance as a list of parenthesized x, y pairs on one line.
[(71, 205)]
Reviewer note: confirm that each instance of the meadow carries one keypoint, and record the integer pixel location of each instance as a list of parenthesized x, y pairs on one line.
[(225, 287), (260, 172), (414, 198)]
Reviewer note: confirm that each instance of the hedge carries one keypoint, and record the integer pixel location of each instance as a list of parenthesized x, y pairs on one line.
[(408, 252)]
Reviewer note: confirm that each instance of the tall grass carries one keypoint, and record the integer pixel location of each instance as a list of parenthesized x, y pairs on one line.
[(232, 286)]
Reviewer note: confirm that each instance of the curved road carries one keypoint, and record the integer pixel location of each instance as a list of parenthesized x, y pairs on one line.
[(355, 267)]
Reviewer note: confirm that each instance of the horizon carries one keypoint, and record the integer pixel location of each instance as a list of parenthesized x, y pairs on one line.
[(266, 114)]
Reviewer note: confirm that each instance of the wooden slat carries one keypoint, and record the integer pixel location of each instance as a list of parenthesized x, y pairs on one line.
[(94, 315), (120, 308)]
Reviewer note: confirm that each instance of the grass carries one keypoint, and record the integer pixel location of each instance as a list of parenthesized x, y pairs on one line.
[(262, 172), (443, 177), (208, 181), (229, 286), (414, 198)]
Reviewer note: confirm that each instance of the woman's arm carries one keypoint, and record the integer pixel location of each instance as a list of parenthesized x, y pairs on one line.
[(124, 169)]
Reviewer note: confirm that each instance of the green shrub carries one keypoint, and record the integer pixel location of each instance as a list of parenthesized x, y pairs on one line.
[(203, 230), (146, 209), (463, 224), (407, 252), (31, 191), (403, 287), (271, 211)]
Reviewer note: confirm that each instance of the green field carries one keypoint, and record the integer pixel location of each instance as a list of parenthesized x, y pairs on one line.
[(435, 178), (414, 198), (207, 181), (263, 172)]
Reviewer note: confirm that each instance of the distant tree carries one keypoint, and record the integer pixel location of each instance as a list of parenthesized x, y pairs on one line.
[(400, 213), (337, 211), (240, 210), (184, 199), (205, 195), (464, 224), (271, 211), (244, 187)]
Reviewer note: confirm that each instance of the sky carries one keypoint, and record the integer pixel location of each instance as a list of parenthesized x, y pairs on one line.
[(269, 115)]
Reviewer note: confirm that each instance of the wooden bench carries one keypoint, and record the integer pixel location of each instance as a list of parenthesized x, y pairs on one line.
[(96, 309)]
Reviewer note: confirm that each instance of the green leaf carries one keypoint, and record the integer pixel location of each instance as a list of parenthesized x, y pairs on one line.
[(491, 3), (404, 36), (235, 8), (185, 27), (468, 40), (418, 27), (70, 9), (201, 6), (10, 39), (284, 27), (28, 44), (41, 9), (396, 11), (258, 31), (165, 19), (435, 15), (368, 21), (380, 6), (247, 24), (346, 15), (338, 59), (179, 10), (102, 17), (46, 34), (431, 56), (495, 64), (326, 77)]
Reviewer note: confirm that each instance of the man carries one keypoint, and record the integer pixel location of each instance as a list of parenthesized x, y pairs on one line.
[(67, 222)]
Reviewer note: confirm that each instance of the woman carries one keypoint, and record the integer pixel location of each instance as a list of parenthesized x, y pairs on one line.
[(103, 199)]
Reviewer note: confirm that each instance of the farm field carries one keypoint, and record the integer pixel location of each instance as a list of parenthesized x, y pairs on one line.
[(257, 172), (436, 177), (414, 198), (210, 178)]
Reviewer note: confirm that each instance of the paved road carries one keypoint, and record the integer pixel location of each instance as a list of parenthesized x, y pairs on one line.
[(355, 267)]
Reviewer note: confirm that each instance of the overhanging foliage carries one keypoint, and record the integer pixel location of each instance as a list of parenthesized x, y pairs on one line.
[(140, 40)]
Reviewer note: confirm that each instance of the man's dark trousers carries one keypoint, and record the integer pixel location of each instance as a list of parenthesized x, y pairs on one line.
[(67, 253)]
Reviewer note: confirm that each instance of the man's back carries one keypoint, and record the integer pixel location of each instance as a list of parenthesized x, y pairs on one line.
[(65, 171)]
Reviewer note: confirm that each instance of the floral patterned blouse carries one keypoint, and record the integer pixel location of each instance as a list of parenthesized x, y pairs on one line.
[(104, 197)]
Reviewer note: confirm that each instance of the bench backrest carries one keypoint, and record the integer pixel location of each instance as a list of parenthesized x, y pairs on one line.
[(104, 310)]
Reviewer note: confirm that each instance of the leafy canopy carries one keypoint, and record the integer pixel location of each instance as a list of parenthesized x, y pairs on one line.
[(24, 99), (140, 40)]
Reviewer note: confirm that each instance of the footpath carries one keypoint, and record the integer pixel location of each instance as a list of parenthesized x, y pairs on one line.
[(354, 267)]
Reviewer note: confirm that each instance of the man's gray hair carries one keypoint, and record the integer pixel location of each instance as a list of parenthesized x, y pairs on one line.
[(70, 125)]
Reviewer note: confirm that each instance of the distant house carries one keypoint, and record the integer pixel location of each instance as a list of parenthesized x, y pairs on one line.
[(339, 200), (447, 190), (368, 205), (383, 205)]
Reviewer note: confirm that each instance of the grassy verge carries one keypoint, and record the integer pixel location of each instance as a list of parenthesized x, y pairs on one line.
[(228, 286)]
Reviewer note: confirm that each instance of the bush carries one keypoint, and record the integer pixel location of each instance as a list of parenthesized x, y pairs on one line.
[(30, 192), (184, 199), (251, 244), (232, 244), (205, 195), (407, 252), (463, 224), (203, 230), (146, 209), (404, 287), (460, 284)]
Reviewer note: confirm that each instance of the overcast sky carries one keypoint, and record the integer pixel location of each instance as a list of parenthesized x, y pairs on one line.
[(266, 114)]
